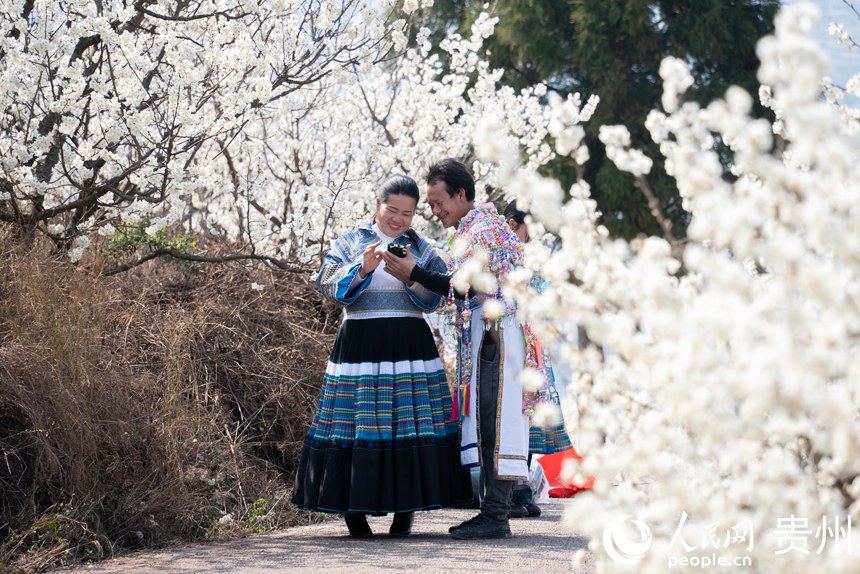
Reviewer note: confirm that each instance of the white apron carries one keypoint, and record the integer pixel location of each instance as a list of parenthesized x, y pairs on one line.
[(512, 426)]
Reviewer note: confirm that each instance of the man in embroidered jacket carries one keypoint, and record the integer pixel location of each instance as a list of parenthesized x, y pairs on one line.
[(491, 355)]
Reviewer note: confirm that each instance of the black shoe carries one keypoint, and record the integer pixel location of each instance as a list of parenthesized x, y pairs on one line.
[(401, 526), (533, 509), (484, 528), (357, 524), (518, 511), (465, 523)]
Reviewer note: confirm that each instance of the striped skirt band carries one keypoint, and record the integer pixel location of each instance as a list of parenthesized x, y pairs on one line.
[(380, 440)]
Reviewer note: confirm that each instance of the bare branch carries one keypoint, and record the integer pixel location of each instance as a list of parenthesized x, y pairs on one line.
[(851, 7), (223, 13), (662, 220), (176, 254)]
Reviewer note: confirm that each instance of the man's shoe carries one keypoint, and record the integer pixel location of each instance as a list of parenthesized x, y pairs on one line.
[(518, 511), (357, 524), (484, 528), (401, 526), (465, 523), (533, 509)]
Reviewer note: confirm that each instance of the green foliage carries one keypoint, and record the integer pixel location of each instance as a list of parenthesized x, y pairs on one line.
[(613, 48), (258, 516), (130, 236), (56, 538)]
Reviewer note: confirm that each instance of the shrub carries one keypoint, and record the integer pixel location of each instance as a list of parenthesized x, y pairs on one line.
[(140, 409)]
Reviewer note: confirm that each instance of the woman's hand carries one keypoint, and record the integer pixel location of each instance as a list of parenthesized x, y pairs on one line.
[(399, 267), (371, 260)]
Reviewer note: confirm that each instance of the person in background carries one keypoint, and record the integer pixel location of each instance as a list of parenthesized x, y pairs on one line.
[(541, 440), (381, 440)]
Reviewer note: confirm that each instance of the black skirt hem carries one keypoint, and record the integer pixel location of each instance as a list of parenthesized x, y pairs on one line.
[(419, 477)]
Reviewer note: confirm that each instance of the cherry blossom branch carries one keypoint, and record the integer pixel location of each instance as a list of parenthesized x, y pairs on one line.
[(657, 213)]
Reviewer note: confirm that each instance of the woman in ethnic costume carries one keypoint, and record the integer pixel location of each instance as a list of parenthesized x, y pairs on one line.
[(381, 440)]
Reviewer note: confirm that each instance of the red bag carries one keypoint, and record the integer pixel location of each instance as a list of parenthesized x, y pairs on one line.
[(552, 465)]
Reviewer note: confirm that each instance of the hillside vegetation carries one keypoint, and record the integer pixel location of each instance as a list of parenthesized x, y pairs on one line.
[(165, 403)]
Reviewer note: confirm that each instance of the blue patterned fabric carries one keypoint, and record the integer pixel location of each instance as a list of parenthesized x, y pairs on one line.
[(555, 438), (381, 439), (376, 404), (338, 279)]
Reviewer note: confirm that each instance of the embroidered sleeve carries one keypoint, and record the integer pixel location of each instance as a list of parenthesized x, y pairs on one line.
[(338, 279), (501, 245)]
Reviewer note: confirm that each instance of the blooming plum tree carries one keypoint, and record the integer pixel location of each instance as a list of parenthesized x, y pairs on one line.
[(729, 397), (729, 391)]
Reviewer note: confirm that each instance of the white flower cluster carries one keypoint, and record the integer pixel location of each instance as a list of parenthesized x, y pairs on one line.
[(730, 388), (676, 79), (853, 86), (617, 140), (842, 35), (128, 112), (564, 125), (410, 6), (473, 273)]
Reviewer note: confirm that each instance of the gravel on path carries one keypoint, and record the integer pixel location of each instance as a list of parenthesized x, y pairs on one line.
[(541, 545)]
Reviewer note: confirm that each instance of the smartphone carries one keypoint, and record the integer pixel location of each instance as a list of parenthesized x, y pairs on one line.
[(398, 250)]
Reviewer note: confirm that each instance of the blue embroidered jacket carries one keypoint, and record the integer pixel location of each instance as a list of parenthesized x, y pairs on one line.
[(338, 279)]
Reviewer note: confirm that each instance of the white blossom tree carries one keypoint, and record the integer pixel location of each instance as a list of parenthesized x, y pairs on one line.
[(313, 177), (729, 392), (727, 404), (265, 123), (115, 112)]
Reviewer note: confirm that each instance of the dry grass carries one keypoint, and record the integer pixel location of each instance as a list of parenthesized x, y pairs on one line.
[(167, 403)]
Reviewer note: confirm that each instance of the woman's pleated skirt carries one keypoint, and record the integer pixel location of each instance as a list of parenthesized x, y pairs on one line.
[(549, 440), (554, 438), (381, 439)]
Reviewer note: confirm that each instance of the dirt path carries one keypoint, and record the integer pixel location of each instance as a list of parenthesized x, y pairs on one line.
[(541, 545)]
